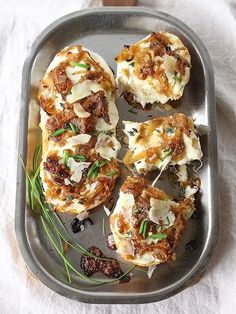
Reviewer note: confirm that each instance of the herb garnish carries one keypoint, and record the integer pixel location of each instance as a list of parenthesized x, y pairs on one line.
[(58, 132), (54, 228), (170, 130), (158, 236), (81, 65), (168, 153), (143, 228), (73, 127), (96, 166), (78, 157), (168, 220), (66, 156), (132, 133), (132, 110), (111, 173), (70, 197), (177, 78), (132, 64)]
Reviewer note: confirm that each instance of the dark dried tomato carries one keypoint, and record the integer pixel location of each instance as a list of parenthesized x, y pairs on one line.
[(110, 268)]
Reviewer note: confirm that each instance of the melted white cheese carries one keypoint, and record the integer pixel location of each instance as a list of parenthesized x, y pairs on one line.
[(190, 191), (182, 173), (132, 130), (77, 168), (125, 205), (101, 125), (161, 210), (79, 139), (80, 112), (107, 146)]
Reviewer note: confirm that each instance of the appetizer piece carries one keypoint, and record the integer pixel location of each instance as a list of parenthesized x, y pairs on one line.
[(146, 224), (78, 122), (153, 70), (163, 141)]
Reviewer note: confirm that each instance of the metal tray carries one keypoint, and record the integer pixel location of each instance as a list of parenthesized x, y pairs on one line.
[(106, 30)]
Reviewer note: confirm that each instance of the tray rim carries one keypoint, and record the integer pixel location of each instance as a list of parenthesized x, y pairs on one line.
[(20, 231)]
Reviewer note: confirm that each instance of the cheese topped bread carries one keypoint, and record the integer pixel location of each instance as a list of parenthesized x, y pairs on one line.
[(153, 70), (78, 122), (147, 224), (163, 141)]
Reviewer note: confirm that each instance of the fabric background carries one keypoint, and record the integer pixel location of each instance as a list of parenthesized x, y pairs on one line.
[(214, 22)]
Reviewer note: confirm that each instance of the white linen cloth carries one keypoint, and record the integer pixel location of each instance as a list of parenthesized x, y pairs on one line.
[(214, 22)]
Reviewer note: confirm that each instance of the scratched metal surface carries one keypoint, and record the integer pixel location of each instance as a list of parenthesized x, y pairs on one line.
[(105, 31)]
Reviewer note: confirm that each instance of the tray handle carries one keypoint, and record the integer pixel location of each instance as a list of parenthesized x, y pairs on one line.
[(119, 2)]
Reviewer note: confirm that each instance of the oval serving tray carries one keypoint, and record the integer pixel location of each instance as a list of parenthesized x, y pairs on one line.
[(106, 30)]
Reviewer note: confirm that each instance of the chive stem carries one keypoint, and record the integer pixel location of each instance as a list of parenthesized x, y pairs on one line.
[(158, 236), (81, 65), (58, 132)]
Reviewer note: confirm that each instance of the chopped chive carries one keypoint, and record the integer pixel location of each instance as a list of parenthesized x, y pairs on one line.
[(78, 157), (70, 197), (72, 127), (144, 229), (93, 169), (81, 65), (69, 93), (58, 132), (168, 153), (132, 64), (168, 220), (176, 78), (111, 173), (158, 236), (104, 163), (132, 110), (66, 155), (170, 130), (141, 226)]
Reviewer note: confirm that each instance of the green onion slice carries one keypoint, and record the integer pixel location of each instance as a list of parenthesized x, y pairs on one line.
[(158, 236), (93, 171), (58, 132), (144, 229), (72, 127), (168, 153), (81, 65), (141, 226), (78, 157), (111, 173), (66, 155)]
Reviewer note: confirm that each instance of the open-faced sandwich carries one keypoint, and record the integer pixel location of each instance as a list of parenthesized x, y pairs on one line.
[(78, 122), (146, 224), (163, 141), (153, 70)]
